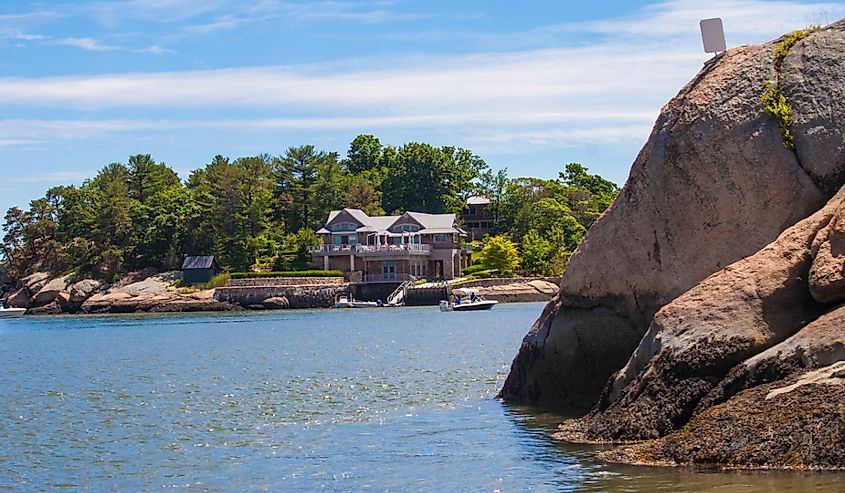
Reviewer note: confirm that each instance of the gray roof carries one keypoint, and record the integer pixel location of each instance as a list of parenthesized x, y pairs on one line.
[(429, 223), (477, 200), (434, 221), (198, 262)]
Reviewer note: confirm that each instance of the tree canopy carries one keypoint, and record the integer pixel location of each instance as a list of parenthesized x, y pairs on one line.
[(260, 212)]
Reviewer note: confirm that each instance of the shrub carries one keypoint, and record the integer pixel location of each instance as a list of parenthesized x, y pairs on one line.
[(298, 273), (776, 105), (472, 269), (782, 48)]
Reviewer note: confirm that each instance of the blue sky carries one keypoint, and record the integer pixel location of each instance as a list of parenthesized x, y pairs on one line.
[(527, 86)]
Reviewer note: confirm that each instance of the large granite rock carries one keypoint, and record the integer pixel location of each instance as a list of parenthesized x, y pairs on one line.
[(520, 292), (694, 341), (36, 281), (713, 184), (84, 289), (49, 291), (153, 295), (19, 299), (276, 303), (795, 423)]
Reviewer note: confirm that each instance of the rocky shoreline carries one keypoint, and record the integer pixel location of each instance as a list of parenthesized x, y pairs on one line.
[(152, 292), (701, 321)]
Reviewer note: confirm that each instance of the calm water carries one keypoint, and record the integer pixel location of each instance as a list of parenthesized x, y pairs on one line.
[(333, 400)]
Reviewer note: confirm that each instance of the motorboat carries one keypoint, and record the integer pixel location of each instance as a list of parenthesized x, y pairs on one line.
[(346, 301), (11, 312), (466, 300), (467, 306)]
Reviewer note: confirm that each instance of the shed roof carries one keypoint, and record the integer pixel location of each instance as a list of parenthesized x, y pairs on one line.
[(199, 262)]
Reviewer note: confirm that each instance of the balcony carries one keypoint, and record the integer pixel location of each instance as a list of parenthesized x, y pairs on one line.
[(372, 250)]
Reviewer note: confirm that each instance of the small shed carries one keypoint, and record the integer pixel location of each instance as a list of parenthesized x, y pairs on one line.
[(199, 269)]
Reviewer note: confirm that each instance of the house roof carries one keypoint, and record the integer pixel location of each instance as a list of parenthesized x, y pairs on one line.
[(429, 223), (198, 262), (477, 200)]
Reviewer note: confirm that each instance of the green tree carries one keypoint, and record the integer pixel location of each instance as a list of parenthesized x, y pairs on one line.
[(499, 252), (297, 174), (428, 179), (146, 177), (365, 153), (536, 252), (361, 194)]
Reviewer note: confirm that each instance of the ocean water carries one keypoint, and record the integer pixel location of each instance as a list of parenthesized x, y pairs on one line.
[(319, 400)]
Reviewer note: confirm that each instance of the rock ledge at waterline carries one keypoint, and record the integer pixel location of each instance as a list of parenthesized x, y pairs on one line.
[(700, 317)]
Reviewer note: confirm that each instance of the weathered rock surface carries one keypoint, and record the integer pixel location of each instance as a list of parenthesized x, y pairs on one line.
[(797, 424), (276, 303), (713, 184), (83, 290), (35, 282), (746, 368), (49, 291), (153, 295), (19, 299), (695, 340), (522, 292)]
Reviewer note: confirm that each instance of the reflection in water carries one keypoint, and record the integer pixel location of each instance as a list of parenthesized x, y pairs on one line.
[(389, 400)]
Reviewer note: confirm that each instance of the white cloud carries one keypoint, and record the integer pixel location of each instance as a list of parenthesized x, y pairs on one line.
[(87, 44), (155, 50), (602, 93)]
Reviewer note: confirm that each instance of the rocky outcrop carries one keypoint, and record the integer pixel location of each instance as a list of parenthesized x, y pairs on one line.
[(49, 292), (84, 289), (520, 292), (695, 340), (795, 423), (153, 294), (713, 184), (276, 303), (34, 282), (19, 299)]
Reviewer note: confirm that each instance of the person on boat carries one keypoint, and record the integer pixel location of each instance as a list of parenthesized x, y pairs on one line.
[(457, 299), (473, 298)]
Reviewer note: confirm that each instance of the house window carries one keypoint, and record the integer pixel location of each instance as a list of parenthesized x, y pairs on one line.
[(441, 238), (343, 227), (406, 228)]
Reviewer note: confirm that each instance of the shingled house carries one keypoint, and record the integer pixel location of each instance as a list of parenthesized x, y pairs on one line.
[(199, 269), (385, 249)]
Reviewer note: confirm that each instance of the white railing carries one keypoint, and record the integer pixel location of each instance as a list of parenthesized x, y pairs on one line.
[(333, 249), (348, 249), (412, 247)]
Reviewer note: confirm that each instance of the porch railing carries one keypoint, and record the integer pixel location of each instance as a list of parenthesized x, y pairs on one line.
[(372, 249)]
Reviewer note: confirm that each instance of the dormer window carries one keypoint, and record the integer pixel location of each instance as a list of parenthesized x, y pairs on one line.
[(338, 227), (406, 228)]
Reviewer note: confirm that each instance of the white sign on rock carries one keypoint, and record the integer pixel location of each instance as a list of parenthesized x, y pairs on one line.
[(713, 35)]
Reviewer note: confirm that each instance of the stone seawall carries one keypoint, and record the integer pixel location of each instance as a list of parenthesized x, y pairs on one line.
[(315, 296), (255, 282)]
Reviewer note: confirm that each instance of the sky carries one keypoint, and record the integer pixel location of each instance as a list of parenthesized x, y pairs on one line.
[(528, 86)]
